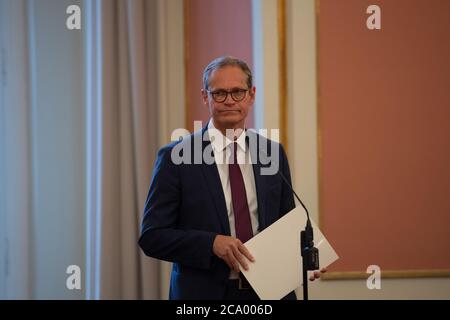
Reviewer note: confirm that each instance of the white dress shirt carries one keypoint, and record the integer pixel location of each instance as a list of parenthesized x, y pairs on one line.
[(222, 153)]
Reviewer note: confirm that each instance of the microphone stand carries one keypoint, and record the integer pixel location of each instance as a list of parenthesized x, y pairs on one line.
[(310, 254), (304, 267)]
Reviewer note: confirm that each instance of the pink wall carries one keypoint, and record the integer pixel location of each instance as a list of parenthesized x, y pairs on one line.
[(214, 28), (384, 117)]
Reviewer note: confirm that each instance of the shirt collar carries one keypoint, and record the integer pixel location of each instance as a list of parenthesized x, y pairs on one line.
[(220, 142)]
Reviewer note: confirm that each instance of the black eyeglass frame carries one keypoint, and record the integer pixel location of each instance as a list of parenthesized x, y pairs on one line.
[(231, 92)]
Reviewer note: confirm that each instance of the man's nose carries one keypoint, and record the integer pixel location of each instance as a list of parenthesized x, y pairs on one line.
[(229, 100)]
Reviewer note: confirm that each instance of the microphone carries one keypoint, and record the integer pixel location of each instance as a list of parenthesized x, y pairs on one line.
[(310, 253)]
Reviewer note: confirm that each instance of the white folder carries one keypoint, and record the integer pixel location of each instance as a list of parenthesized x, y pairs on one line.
[(277, 269)]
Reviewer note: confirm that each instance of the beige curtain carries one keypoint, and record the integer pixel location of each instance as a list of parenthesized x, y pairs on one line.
[(15, 150), (124, 127)]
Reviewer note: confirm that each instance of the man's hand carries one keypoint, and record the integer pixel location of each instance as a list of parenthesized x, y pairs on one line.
[(317, 274), (232, 251)]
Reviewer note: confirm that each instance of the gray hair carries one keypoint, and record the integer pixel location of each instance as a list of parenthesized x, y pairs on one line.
[(224, 62)]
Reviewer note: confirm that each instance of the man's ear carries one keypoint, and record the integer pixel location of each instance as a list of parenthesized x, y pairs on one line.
[(252, 93), (204, 96)]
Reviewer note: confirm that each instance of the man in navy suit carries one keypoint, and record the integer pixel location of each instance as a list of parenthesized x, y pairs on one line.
[(213, 190)]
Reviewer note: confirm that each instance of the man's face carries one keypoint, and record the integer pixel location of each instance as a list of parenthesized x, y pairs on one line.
[(228, 114)]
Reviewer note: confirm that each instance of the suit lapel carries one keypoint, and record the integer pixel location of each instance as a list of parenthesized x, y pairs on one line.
[(211, 174), (260, 191), (259, 179)]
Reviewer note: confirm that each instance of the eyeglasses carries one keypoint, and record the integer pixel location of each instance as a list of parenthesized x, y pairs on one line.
[(222, 95)]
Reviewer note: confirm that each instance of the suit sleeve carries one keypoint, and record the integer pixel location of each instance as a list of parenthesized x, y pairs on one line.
[(160, 237), (287, 198)]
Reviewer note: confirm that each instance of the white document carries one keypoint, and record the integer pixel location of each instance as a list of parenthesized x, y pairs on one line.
[(277, 269)]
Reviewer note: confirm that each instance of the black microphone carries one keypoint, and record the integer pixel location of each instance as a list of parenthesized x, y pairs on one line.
[(310, 253)]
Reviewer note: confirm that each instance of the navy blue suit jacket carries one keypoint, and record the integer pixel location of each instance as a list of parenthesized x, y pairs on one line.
[(185, 210)]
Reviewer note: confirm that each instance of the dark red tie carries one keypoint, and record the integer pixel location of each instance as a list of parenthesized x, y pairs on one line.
[(242, 220)]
